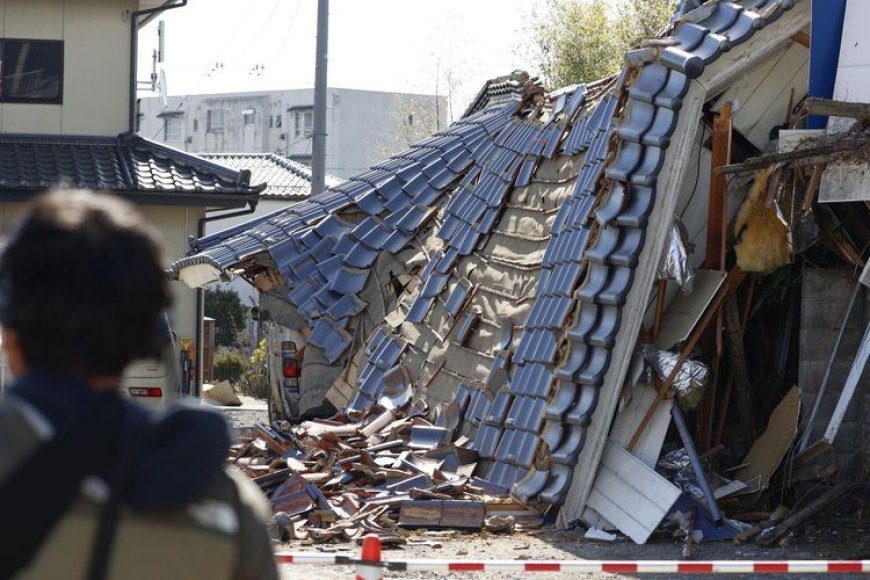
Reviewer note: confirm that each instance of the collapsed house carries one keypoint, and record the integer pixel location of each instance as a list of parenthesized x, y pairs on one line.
[(546, 273)]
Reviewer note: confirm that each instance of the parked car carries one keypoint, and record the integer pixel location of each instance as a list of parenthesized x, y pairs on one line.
[(285, 348), (153, 383), (156, 382)]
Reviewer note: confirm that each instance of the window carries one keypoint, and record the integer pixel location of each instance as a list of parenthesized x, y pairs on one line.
[(32, 71), (173, 130), (304, 123), (278, 121), (214, 120), (249, 117)]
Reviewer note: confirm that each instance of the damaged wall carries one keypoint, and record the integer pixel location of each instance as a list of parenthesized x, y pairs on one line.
[(826, 295)]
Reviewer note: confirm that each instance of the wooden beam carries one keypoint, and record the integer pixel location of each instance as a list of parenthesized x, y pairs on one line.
[(830, 145), (717, 212), (828, 108), (802, 37), (813, 187), (660, 308)]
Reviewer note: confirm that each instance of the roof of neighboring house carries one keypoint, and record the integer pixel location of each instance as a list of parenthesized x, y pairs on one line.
[(285, 179), (129, 165), (540, 222)]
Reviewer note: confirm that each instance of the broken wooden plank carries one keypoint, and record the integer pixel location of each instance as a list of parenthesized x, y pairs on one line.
[(830, 108), (802, 37), (630, 494), (442, 514), (820, 148), (793, 521)]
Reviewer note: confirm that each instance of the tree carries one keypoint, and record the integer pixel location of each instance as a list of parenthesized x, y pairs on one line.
[(226, 308), (579, 41)]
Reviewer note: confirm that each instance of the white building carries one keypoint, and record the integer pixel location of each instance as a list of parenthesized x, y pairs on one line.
[(363, 127)]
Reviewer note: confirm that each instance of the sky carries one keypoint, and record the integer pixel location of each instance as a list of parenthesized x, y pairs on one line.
[(420, 46)]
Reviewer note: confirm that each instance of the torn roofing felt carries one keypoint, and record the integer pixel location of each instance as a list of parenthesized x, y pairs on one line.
[(285, 179), (125, 164), (533, 220)]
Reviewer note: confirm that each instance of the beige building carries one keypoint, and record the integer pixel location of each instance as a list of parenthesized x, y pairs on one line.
[(67, 116)]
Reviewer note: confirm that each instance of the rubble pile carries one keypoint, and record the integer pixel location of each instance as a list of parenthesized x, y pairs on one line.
[(387, 472)]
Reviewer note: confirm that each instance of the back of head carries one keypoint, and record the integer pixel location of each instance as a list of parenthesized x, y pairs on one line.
[(81, 284)]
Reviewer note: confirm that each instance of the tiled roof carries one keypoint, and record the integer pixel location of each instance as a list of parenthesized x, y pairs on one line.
[(127, 164), (525, 387), (284, 178), (508, 88)]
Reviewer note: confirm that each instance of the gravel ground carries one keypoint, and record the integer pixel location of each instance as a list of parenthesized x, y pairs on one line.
[(847, 541), (251, 412)]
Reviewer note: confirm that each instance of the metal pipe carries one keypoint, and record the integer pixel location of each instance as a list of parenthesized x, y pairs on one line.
[(689, 444), (134, 49), (318, 153)]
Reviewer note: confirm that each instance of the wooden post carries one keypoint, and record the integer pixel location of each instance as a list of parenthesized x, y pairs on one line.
[(717, 238), (660, 308), (717, 212)]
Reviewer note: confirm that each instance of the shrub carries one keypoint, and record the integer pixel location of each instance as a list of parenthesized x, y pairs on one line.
[(256, 379), (229, 366)]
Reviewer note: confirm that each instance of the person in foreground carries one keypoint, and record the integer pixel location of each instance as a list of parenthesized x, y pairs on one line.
[(92, 485)]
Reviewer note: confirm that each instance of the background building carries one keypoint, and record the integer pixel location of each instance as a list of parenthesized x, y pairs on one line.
[(66, 118), (363, 126)]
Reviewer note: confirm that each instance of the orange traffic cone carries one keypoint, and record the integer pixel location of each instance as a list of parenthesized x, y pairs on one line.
[(371, 552)]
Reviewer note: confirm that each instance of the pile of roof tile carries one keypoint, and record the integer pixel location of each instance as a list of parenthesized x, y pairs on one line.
[(385, 472)]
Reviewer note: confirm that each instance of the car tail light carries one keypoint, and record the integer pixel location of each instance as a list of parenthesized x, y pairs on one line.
[(148, 392), (289, 363), (291, 368)]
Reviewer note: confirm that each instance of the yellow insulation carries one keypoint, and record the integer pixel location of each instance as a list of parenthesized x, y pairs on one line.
[(762, 239)]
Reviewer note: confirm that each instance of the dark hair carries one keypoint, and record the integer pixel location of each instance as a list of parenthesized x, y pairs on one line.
[(81, 284)]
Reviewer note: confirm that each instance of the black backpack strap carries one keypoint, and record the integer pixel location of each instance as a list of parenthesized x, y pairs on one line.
[(110, 513)]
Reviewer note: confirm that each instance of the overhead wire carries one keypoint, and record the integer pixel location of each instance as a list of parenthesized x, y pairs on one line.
[(230, 39)]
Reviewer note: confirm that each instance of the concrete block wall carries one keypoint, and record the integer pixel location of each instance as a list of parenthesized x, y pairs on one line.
[(825, 298)]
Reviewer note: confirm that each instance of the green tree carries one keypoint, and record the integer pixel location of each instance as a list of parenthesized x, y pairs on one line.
[(226, 308), (578, 41)]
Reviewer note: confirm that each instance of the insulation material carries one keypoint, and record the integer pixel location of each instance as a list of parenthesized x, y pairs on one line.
[(763, 241)]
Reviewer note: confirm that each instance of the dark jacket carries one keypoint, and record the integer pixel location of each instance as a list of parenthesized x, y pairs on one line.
[(180, 514)]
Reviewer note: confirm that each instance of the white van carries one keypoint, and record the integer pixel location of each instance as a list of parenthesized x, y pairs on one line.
[(153, 383)]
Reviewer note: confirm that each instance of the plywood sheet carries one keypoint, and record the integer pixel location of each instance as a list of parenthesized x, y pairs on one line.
[(768, 450), (685, 310), (627, 422)]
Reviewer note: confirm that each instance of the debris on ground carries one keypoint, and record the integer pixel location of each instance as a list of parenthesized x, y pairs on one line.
[(389, 472)]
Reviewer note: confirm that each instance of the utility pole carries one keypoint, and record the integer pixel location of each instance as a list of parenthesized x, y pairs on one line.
[(318, 157)]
